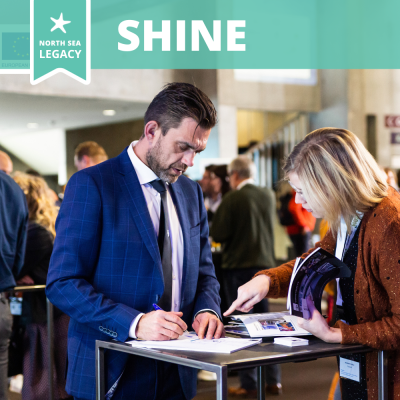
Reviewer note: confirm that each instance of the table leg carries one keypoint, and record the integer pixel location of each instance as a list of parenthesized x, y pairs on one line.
[(382, 375), (261, 382), (100, 391), (50, 338), (222, 383)]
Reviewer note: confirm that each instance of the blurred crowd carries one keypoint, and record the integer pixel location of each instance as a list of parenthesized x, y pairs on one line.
[(24, 349)]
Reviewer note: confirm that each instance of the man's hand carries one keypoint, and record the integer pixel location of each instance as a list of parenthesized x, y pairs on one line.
[(318, 326), (160, 325), (249, 294), (26, 280), (208, 322)]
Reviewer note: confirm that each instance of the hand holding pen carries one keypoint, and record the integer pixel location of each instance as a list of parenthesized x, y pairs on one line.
[(156, 307), (160, 325)]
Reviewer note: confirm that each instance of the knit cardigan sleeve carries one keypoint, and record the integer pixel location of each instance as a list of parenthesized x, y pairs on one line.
[(280, 276)]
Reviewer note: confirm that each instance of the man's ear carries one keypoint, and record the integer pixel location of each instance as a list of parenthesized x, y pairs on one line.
[(87, 161), (150, 131)]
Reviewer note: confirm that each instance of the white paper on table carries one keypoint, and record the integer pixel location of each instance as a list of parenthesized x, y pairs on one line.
[(190, 342)]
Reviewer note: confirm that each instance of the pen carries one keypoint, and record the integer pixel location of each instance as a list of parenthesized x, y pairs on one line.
[(158, 308)]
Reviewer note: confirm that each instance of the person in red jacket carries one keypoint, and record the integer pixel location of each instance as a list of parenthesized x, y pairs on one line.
[(300, 231)]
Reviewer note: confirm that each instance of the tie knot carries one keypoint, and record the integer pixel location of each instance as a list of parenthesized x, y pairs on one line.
[(159, 185)]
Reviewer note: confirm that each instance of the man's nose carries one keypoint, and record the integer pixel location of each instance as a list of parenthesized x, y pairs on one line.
[(188, 158)]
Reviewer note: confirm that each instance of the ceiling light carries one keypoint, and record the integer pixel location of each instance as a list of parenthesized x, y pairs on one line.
[(109, 113), (32, 125)]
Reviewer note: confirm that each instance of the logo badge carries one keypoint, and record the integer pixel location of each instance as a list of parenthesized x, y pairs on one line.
[(60, 39)]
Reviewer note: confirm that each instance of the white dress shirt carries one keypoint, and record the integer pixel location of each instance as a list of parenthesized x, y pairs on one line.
[(245, 182), (153, 200)]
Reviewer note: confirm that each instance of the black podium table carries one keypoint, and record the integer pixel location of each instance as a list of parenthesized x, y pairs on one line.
[(257, 356)]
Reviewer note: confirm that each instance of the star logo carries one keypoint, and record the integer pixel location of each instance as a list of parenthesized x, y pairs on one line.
[(59, 23)]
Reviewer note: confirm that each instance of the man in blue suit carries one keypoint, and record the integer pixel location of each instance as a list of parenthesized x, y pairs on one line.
[(132, 231)]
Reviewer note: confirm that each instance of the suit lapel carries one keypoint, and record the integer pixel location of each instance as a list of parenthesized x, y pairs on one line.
[(178, 199), (133, 192)]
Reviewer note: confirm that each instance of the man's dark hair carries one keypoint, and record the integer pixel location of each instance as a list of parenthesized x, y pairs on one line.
[(177, 101)]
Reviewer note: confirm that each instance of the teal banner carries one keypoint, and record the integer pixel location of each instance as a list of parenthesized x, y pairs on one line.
[(252, 34), (60, 39)]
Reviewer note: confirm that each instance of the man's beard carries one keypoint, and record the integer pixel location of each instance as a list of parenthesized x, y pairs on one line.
[(155, 158)]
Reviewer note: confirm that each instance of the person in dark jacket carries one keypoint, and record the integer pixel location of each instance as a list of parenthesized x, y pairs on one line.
[(243, 224), (13, 220), (39, 246)]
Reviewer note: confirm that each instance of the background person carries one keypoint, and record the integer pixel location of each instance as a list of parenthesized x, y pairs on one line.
[(88, 154), (13, 222), (336, 178), (301, 229), (391, 178), (6, 165), (39, 246), (243, 224), (219, 182), (108, 266), (212, 194)]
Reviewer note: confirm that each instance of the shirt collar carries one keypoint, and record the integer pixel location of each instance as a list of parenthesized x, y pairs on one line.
[(244, 183), (144, 173)]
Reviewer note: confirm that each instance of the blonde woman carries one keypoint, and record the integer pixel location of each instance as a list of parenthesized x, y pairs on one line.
[(39, 246), (336, 178)]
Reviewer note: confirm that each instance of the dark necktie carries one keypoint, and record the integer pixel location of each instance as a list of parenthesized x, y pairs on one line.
[(164, 245)]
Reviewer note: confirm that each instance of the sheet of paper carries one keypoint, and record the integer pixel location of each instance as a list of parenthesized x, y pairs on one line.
[(190, 342)]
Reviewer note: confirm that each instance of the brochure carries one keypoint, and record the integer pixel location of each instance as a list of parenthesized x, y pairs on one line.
[(271, 324), (309, 278)]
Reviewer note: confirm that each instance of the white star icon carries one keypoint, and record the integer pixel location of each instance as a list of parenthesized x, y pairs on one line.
[(59, 23)]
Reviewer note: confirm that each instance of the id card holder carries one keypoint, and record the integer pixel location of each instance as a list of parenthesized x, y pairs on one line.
[(349, 369), (16, 305)]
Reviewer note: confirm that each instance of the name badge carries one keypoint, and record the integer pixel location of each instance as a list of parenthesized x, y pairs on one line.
[(16, 305), (349, 369)]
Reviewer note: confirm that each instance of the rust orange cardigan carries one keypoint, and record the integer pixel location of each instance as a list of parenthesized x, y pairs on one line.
[(376, 289)]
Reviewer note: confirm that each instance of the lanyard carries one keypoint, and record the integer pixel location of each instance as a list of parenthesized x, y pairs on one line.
[(340, 242), (341, 247)]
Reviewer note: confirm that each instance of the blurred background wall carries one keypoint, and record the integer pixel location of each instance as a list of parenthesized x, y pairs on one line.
[(264, 112)]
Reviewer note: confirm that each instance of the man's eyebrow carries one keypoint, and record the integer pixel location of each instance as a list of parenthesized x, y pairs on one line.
[(192, 146)]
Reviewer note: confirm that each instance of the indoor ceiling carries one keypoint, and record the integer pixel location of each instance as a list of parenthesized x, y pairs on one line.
[(31, 127)]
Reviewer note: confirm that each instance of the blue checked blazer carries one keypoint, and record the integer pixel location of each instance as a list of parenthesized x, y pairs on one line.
[(106, 269)]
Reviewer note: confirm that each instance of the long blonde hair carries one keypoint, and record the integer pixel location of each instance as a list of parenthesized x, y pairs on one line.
[(41, 207), (339, 176)]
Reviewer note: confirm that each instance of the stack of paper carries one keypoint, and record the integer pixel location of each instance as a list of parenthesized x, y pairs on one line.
[(291, 341), (190, 342)]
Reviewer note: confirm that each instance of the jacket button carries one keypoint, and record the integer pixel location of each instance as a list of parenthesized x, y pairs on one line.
[(115, 334)]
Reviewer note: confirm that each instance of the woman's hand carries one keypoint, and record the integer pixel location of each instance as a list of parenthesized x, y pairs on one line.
[(26, 280), (318, 326), (249, 294)]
